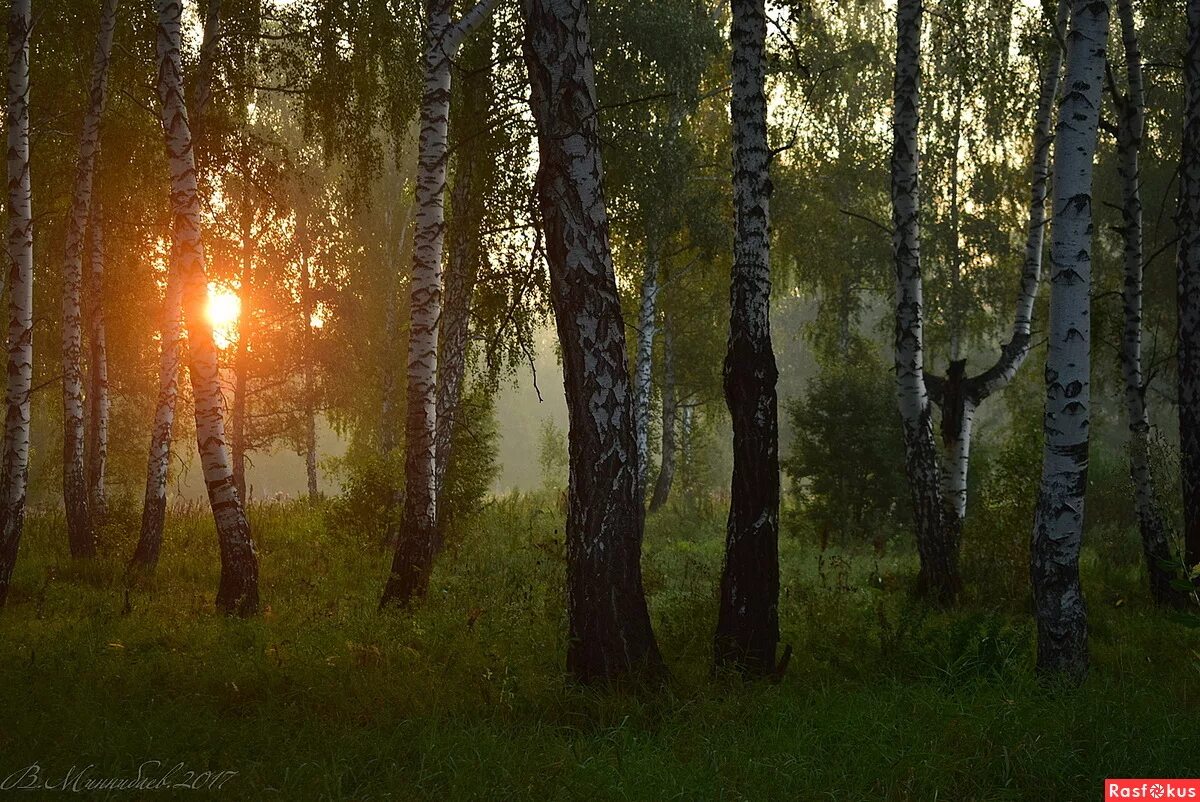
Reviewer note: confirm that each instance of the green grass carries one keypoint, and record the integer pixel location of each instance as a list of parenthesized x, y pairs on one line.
[(324, 698)]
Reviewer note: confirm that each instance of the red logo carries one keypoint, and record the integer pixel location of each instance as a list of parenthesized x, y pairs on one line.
[(1115, 790)]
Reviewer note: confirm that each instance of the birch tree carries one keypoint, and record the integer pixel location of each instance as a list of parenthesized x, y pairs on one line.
[(14, 473), (958, 394), (610, 635), (308, 402), (748, 613), (97, 393), (238, 590), (1188, 292), (1058, 524), (80, 535), (1131, 125), (647, 321), (417, 541), (474, 181), (666, 469), (937, 537), (154, 506)]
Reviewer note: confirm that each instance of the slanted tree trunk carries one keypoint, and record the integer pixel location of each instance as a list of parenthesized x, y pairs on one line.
[(937, 533), (75, 493), (1188, 293), (610, 633), (959, 395), (1131, 111), (238, 590), (310, 390), (418, 536), (666, 469), (461, 273), (643, 366), (467, 208), (98, 401), (154, 508), (748, 613), (15, 470), (1058, 524)]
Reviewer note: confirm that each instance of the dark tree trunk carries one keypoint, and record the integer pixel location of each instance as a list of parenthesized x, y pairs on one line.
[(471, 186), (1189, 293), (666, 470), (748, 616), (1130, 107), (610, 633), (241, 356)]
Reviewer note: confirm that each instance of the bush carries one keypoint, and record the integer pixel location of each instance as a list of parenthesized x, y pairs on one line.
[(473, 465), (371, 500), (847, 460)]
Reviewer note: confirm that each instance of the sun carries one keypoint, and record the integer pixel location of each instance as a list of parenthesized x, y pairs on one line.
[(224, 309)]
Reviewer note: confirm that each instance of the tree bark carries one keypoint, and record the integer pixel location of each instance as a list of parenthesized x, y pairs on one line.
[(15, 470), (98, 399), (643, 366), (610, 633), (937, 531), (154, 508), (748, 613), (1131, 110), (80, 535), (238, 590), (306, 324), (1058, 525), (1188, 293), (666, 470), (418, 537)]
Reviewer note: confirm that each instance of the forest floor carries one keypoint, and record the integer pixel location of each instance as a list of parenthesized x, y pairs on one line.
[(323, 697)]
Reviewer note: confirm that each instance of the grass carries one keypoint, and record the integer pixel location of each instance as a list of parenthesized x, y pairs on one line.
[(321, 697)]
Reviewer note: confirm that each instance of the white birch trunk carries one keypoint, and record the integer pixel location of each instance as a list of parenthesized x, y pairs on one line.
[(238, 591), (80, 535), (666, 470), (310, 388), (643, 367), (15, 473), (1058, 526), (171, 343), (937, 532), (417, 542)]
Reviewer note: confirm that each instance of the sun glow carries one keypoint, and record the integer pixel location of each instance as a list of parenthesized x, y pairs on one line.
[(224, 309)]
